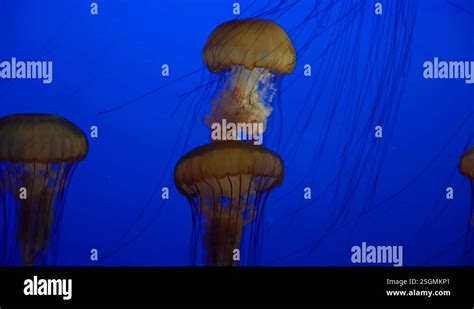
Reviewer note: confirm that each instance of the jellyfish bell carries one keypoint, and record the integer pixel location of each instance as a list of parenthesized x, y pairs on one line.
[(250, 43), (466, 164), (38, 154), (226, 184), (253, 52), (466, 167)]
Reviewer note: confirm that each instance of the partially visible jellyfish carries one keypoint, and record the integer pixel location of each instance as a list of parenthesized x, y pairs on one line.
[(253, 52), (466, 167), (227, 184), (38, 154)]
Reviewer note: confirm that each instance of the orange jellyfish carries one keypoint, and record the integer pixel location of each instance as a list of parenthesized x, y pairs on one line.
[(253, 53), (466, 167), (227, 184), (38, 154)]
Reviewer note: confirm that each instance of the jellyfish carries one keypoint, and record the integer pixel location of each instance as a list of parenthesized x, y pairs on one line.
[(466, 167), (253, 52), (38, 155), (227, 184)]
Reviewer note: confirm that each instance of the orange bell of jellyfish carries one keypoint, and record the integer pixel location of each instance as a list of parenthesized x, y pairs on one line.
[(226, 184), (250, 43), (466, 164), (466, 167)]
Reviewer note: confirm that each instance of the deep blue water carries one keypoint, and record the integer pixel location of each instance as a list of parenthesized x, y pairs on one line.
[(103, 61)]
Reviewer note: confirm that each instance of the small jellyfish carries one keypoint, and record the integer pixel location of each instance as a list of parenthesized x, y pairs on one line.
[(227, 184), (38, 154), (466, 167)]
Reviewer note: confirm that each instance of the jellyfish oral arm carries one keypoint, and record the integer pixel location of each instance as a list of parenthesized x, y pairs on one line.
[(246, 98)]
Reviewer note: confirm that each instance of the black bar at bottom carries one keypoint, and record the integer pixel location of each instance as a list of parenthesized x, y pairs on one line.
[(149, 285)]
